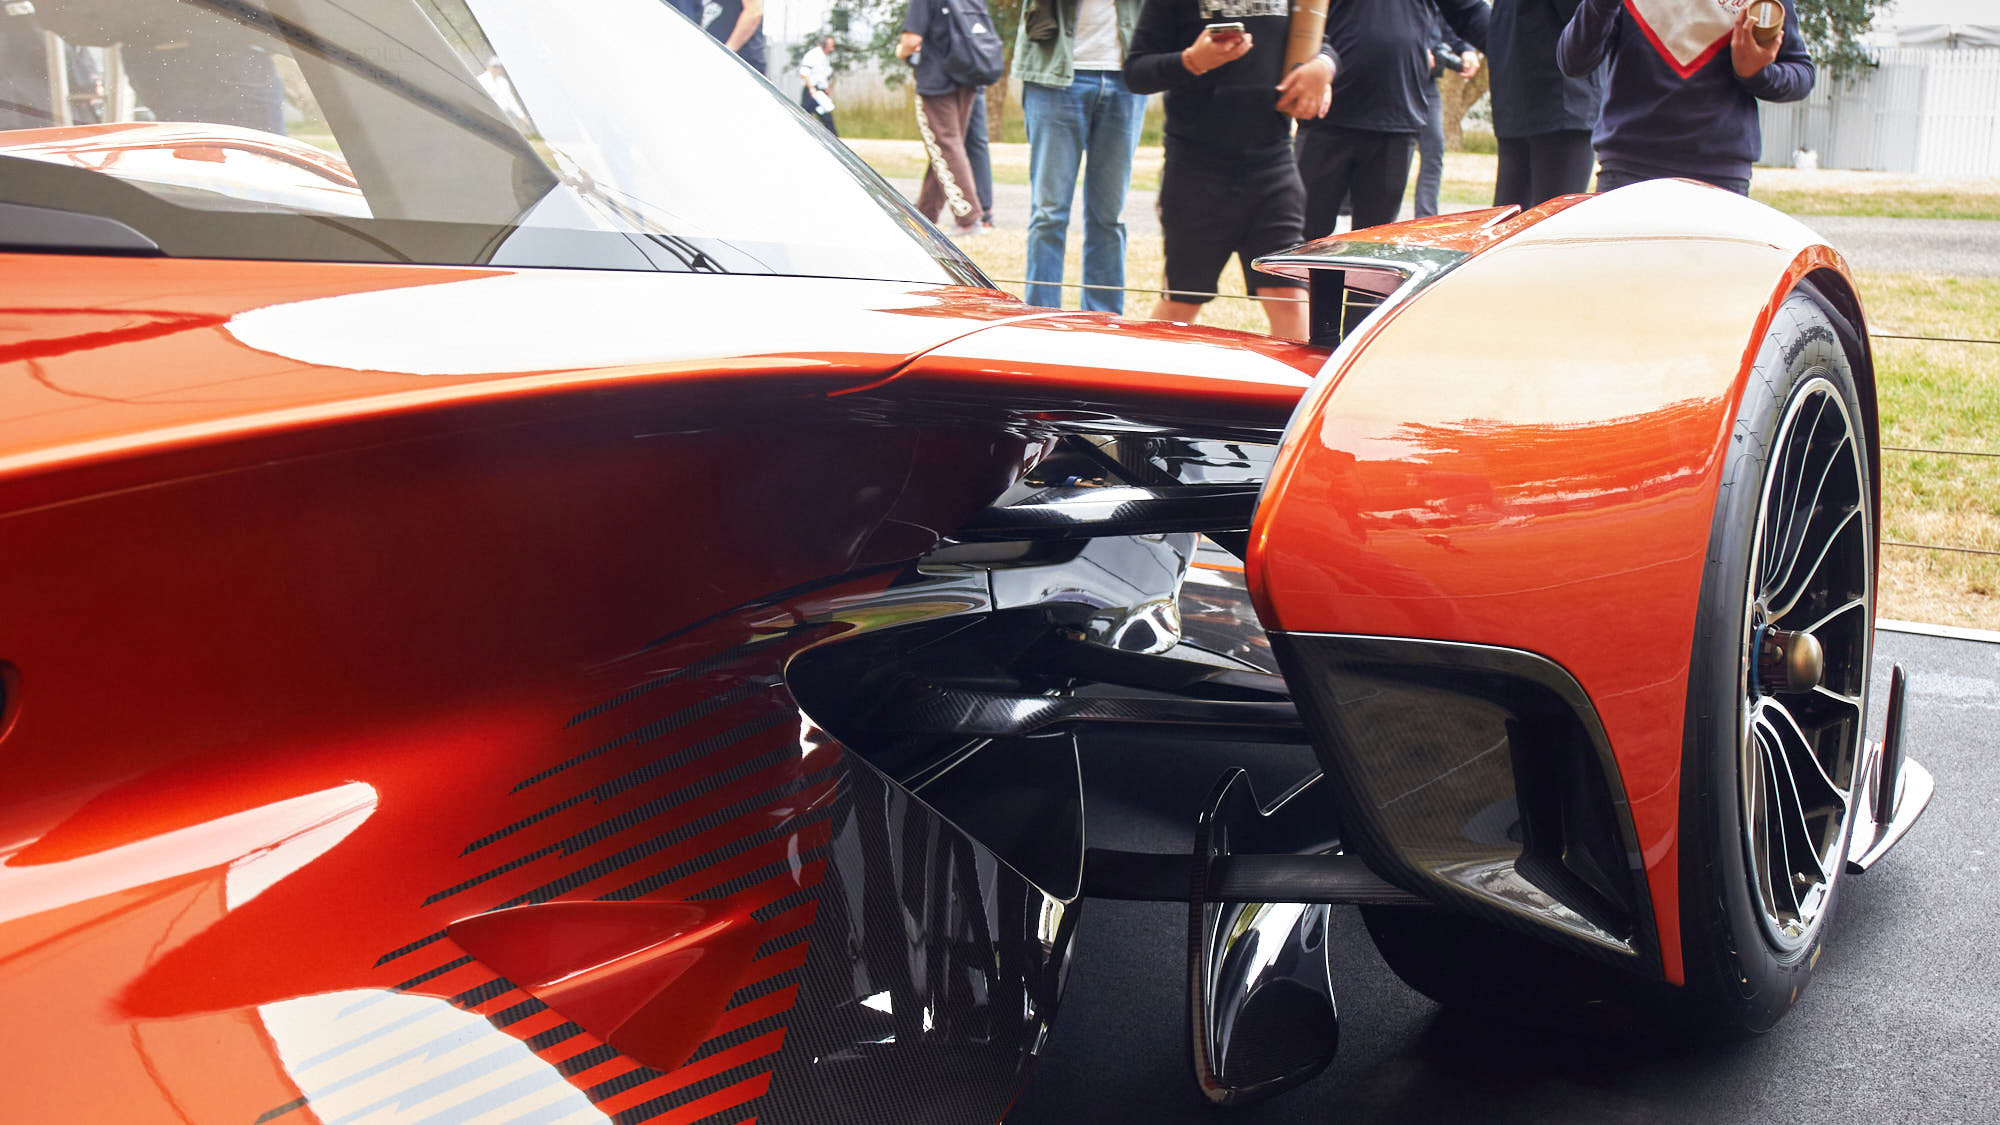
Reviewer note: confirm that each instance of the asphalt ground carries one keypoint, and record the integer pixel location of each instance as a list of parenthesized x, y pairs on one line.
[(1902, 1021), (1962, 247)]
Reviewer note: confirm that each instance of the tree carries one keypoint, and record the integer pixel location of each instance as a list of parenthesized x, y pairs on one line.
[(1833, 30), (1456, 95)]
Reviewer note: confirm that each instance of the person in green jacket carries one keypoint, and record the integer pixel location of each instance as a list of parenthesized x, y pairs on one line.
[(1069, 56)]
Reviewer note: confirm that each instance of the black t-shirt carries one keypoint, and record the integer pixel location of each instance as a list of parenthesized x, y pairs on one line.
[(1230, 114), (1383, 48), (720, 17)]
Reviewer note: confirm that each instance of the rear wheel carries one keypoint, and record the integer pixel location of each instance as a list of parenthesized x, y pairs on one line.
[(1772, 736)]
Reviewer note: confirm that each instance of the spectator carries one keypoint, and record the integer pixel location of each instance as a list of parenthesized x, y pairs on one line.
[(981, 158), (1229, 184), (816, 74), (1445, 47), (1541, 116), (1362, 147), (740, 26), (1680, 109), (1070, 58), (944, 109)]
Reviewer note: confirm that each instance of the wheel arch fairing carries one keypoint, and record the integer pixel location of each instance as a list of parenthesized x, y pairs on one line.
[(1519, 451)]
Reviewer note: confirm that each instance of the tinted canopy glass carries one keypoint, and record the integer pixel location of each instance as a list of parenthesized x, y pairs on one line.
[(613, 134)]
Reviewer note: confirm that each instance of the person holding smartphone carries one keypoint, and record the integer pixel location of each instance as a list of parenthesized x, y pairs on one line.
[(1229, 185)]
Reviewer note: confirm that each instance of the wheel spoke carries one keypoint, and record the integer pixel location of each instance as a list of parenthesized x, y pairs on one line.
[(1778, 875), (1789, 591), (1852, 701), (1802, 517), (1797, 831), (1844, 607), (1796, 466), (1799, 746)]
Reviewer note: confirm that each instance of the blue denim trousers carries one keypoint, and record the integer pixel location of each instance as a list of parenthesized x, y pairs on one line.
[(1094, 114)]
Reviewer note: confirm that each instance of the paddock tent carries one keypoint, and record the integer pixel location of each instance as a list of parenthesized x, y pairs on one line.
[(1954, 24)]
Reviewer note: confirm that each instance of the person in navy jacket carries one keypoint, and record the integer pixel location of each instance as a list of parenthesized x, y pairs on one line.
[(1657, 124), (1541, 116)]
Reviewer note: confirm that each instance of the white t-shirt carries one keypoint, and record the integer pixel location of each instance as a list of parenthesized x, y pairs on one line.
[(1097, 46), (816, 69)]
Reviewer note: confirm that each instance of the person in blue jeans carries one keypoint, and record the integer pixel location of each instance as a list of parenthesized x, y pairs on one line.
[(1069, 56)]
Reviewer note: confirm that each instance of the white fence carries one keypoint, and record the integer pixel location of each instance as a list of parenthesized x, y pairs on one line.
[(1934, 112)]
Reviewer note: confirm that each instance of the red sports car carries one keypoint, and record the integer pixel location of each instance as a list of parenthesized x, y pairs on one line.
[(537, 588)]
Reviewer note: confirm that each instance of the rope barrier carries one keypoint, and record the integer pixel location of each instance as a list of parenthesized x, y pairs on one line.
[(1940, 547), (1931, 339), (1940, 452), (1156, 290), (1161, 291)]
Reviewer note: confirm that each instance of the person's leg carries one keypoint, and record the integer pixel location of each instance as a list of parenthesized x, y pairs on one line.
[(1285, 309), (1116, 115), (1055, 146), (977, 156), (1513, 175), (942, 121), (1325, 162), (1561, 163), (1275, 220), (1200, 213), (1430, 152), (1382, 172), (930, 194)]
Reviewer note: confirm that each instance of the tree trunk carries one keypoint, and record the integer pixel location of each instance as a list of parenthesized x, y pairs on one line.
[(1006, 21), (1456, 95)]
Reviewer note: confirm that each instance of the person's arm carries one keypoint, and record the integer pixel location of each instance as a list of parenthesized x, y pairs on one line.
[(1467, 17), (1782, 72), (1587, 37), (1161, 43), (916, 23), (746, 24)]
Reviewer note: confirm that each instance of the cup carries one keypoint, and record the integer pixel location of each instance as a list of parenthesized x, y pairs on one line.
[(1767, 20)]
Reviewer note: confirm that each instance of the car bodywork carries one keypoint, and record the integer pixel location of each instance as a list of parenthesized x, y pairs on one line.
[(472, 691)]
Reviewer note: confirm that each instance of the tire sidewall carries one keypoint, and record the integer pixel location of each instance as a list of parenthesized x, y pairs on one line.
[(1735, 975)]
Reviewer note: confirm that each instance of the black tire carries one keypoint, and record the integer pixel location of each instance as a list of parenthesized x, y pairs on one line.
[(1746, 961)]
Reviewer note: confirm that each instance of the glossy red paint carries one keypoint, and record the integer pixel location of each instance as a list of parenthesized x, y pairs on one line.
[(127, 370), (351, 604), (1554, 495), (1086, 368)]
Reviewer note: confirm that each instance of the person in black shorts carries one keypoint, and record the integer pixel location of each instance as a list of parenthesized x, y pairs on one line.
[(1229, 185)]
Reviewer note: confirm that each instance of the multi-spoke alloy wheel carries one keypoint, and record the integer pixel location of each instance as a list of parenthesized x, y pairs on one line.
[(1805, 660)]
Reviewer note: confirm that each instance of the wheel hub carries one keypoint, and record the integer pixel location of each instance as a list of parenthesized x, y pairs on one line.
[(1789, 661)]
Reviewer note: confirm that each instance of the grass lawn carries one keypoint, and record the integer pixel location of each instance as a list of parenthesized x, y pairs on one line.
[(1932, 396), (1468, 179)]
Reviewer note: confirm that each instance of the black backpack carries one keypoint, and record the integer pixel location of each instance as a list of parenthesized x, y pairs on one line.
[(972, 57)]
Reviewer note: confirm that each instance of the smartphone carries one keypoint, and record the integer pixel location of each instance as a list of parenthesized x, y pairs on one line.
[(1225, 32)]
